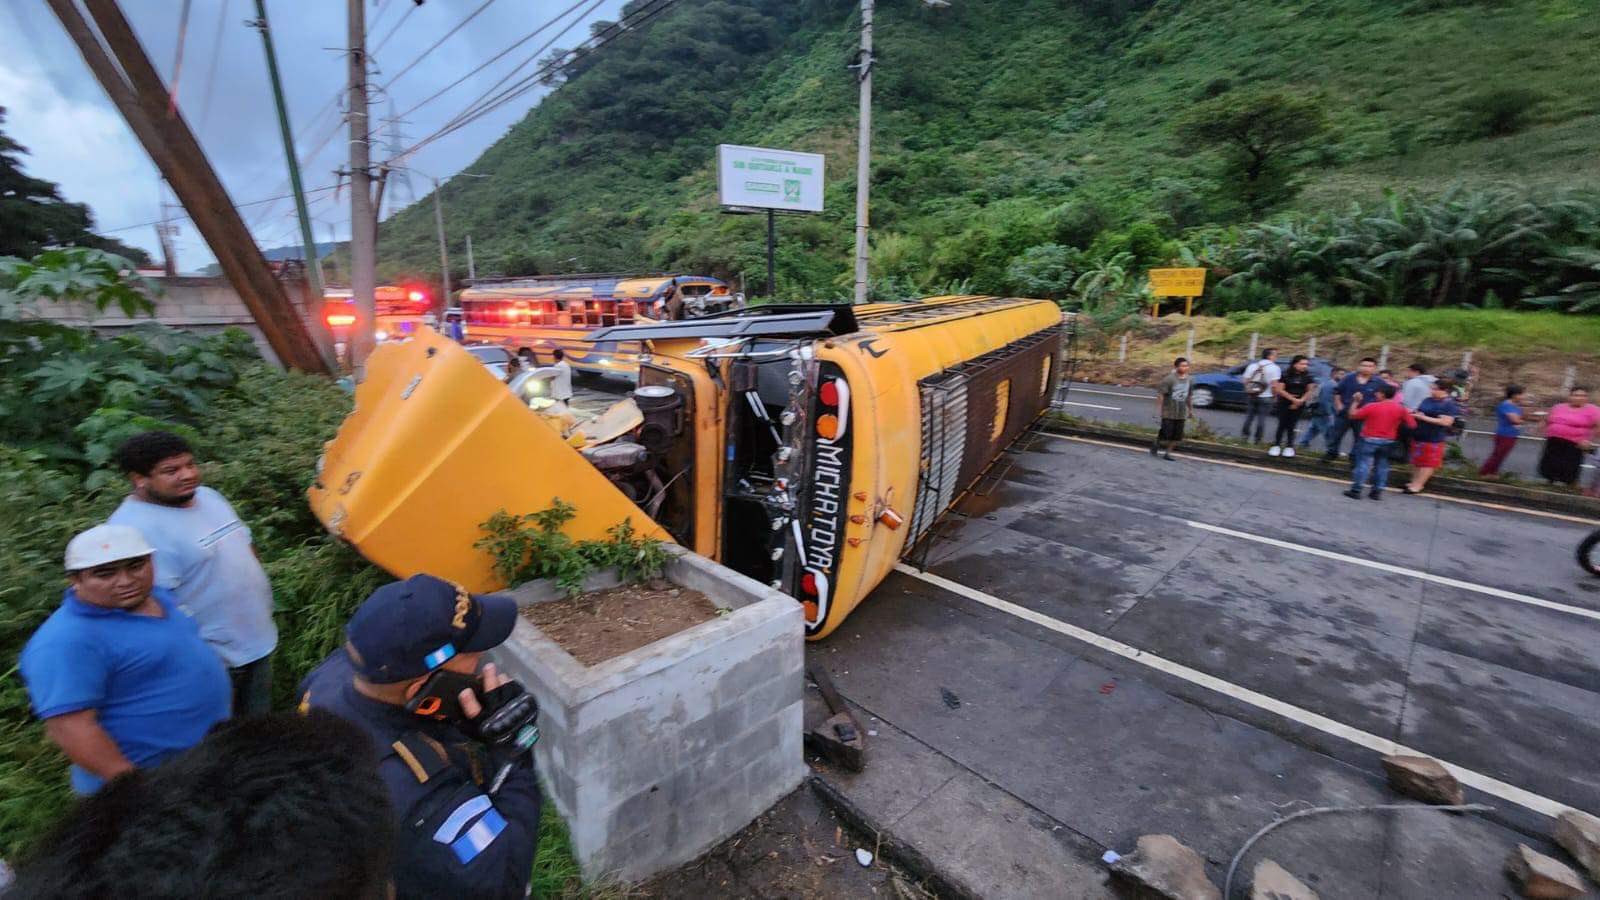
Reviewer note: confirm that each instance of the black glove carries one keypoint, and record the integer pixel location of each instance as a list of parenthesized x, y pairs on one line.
[(508, 722)]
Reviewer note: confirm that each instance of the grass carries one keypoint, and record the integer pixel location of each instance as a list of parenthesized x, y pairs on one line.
[(1447, 329)]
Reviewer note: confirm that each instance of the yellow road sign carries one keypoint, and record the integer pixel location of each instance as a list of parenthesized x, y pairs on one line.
[(1177, 282)]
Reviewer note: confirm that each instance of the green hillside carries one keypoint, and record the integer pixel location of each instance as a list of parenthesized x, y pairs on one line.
[(1022, 144)]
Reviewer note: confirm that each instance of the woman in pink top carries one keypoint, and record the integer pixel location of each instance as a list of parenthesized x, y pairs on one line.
[(1568, 431)]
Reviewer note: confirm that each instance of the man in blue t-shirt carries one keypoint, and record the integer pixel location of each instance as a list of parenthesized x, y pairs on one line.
[(1322, 407), (1362, 381), (205, 558), (120, 677)]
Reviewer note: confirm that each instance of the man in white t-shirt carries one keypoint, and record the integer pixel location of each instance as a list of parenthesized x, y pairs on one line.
[(204, 556), (1259, 377)]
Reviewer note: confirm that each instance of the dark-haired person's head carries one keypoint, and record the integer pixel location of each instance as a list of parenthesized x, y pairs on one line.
[(1387, 391), (1269, 353), (1513, 391), (1367, 366), (1336, 373), (1181, 366), (1416, 369), (1441, 388), (558, 354), (1300, 363), (1578, 397), (282, 806), (161, 467)]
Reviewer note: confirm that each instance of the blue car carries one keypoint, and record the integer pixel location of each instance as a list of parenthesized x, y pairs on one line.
[(1226, 388)]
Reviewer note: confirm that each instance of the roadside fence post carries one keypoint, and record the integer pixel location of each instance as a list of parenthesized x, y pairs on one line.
[(1383, 357), (1466, 361), (1122, 352), (1570, 380), (1188, 351), (1311, 348), (1255, 340)]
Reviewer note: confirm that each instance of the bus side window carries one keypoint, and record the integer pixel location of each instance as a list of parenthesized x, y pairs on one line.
[(563, 314)]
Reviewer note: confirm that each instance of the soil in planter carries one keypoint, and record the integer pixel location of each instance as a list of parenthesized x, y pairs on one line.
[(599, 625)]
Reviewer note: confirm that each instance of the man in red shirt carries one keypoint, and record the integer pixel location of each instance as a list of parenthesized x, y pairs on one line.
[(1380, 428)]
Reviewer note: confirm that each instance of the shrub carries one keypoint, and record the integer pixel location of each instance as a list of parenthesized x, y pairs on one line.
[(1499, 111)]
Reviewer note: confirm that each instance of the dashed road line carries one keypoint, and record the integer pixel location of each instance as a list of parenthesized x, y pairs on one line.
[(1492, 786)]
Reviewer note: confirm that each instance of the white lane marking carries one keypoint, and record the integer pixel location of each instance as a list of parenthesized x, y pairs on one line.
[(1082, 390), (1463, 501), (1488, 785), (1090, 405), (1401, 570)]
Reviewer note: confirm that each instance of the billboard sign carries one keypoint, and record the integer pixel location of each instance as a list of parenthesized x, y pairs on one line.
[(763, 178), (1177, 282)]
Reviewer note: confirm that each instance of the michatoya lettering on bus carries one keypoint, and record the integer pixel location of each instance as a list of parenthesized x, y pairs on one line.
[(826, 507)]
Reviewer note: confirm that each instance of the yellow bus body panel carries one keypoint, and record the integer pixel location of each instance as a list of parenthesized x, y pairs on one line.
[(435, 446), (883, 364)]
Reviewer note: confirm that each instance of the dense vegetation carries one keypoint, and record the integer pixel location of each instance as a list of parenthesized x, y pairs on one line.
[(1062, 148)]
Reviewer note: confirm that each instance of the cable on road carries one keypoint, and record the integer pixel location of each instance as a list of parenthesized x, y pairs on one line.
[(1227, 884)]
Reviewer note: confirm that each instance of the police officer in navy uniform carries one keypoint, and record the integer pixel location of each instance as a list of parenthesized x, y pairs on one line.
[(409, 674)]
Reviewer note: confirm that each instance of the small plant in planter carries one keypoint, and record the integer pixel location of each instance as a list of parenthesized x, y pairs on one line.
[(533, 546)]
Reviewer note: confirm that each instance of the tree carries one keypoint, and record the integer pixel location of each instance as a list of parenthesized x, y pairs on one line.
[(34, 217), (1259, 134)]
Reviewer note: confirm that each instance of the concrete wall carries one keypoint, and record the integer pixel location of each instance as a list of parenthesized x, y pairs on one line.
[(201, 304), (656, 756)]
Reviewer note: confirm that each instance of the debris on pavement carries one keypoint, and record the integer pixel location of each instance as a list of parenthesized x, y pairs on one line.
[(949, 698), (1423, 778), (1163, 867), (838, 739), (864, 856), (1579, 834), (1273, 882), (1542, 877)]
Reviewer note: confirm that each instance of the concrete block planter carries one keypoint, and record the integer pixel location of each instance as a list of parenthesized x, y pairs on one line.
[(655, 756)]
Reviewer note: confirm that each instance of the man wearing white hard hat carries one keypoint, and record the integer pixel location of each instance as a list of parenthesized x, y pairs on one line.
[(118, 673)]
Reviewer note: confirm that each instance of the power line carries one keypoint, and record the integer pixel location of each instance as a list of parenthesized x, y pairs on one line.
[(103, 231), (419, 57), (409, 10), (498, 56), (211, 73), (485, 105)]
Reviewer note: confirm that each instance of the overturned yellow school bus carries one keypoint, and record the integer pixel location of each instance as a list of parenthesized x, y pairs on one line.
[(808, 447)]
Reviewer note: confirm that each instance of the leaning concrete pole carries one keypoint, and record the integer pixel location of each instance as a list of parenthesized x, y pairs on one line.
[(864, 151)]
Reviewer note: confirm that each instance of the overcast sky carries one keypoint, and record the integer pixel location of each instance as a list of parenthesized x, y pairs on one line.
[(75, 136)]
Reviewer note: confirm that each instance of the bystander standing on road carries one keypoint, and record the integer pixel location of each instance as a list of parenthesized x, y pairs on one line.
[(1362, 383), (1434, 417), (1568, 432), (119, 675), (1293, 391), (205, 558), (1381, 423), (1416, 387), (1258, 379), (1173, 405), (1508, 421), (1320, 410)]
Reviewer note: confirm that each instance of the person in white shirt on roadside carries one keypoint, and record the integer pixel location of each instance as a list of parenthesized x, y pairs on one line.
[(1259, 377), (1417, 387)]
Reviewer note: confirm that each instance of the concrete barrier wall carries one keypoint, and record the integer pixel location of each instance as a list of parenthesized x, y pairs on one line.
[(200, 304)]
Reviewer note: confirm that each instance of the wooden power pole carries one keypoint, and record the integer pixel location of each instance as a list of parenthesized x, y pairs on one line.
[(125, 72)]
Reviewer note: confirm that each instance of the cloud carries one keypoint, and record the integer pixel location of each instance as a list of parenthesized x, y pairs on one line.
[(77, 138)]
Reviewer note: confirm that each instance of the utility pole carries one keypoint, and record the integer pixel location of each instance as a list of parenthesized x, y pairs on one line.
[(444, 257), (363, 223), (864, 150), (308, 241), (472, 270), (123, 69)]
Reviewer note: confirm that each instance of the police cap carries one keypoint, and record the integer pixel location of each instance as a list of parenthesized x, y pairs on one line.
[(406, 629)]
